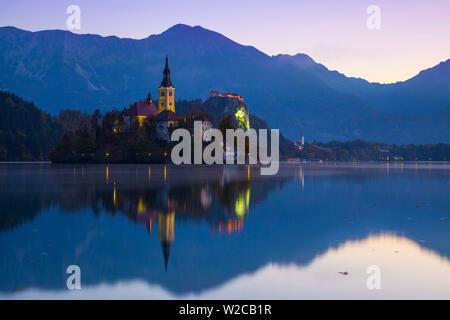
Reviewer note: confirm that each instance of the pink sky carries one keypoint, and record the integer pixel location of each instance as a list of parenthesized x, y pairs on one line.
[(414, 34)]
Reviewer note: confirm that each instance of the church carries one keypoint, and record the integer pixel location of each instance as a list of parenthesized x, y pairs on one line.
[(165, 115)]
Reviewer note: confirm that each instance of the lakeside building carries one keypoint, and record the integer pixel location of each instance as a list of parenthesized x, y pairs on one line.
[(300, 144), (165, 115), (139, 111)]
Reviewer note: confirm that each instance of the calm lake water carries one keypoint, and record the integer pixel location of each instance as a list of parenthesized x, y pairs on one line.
[(167, 232)]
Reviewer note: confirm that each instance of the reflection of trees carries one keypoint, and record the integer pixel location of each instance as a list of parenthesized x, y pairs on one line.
[(27, 192), (23, 195), (12, 216), (222, 203)]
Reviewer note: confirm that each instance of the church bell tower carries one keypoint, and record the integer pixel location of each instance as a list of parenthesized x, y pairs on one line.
[(166, 91)]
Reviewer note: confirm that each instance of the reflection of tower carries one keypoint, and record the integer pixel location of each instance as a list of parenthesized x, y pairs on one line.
[(141, 206), (166, 233)]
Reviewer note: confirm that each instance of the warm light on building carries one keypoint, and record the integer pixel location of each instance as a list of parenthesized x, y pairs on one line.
[(242, 118), (214, 93), (166, 90)]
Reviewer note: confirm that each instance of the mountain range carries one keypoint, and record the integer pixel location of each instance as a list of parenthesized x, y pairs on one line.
[(61, 70)]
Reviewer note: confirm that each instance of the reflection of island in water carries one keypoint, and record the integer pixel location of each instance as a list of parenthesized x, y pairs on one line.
[(147, 196), (223, 204), (96, 213), (193, 203)]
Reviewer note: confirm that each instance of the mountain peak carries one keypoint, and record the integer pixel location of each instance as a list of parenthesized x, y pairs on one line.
[(186, 35), (184, 29), (11, 30), (301, 60)]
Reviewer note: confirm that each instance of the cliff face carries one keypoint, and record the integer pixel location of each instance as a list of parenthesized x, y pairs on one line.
[(219, 107)]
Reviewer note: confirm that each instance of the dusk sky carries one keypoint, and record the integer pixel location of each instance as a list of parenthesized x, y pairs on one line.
[(414, 35)]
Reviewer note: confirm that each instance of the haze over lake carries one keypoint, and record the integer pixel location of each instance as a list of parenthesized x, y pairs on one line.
[(225, 232)]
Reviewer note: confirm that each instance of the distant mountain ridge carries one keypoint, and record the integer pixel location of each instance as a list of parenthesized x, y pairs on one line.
[(425, 93), (59, 70)]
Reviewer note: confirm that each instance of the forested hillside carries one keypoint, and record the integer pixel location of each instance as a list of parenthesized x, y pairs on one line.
[(26, 133)]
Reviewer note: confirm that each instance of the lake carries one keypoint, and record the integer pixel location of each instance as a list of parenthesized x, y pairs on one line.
[(313, 231)]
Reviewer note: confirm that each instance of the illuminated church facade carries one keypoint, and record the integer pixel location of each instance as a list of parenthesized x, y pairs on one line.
[(165, 115), (166, 91)]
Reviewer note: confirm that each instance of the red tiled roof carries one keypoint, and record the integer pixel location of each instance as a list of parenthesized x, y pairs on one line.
[(141, 109)]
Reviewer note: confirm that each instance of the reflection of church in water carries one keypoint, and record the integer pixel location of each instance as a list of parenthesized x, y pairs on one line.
[(166, 233), (223, 205)]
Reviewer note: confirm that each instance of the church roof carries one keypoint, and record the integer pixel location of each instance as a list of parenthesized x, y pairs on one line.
[(141, 109), (166, 82), (167, 115)]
